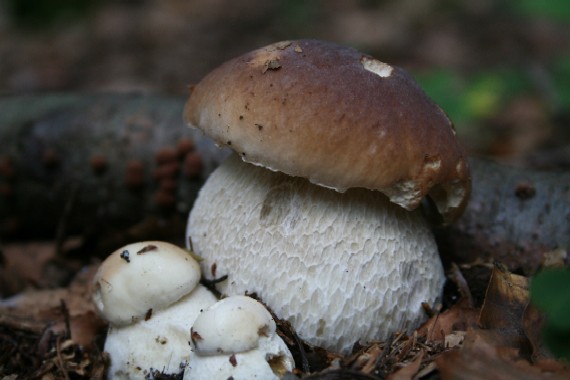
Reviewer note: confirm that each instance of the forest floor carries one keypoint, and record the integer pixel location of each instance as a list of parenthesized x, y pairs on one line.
[(499, 70)]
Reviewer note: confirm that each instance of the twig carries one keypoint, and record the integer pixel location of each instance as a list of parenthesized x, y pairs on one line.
[(65, 216), (59, 362), (66, 318)]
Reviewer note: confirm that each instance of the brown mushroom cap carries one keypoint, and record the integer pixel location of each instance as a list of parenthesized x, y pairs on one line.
[(337, 117)]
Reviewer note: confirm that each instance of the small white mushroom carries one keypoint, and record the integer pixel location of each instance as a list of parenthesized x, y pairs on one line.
[(234, 324), (143, 276), (236, 338), (149, 293)]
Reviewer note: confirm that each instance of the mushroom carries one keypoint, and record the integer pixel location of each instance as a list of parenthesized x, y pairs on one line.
[(236, 338), (317, 212), (149, 292)]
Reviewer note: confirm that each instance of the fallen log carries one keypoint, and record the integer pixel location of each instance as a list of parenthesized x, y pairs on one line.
[(88, 164), (85, 162), (518, 217)]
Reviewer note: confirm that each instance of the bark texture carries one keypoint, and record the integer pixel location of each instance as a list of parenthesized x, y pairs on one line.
[(518, 217), (89, 161)]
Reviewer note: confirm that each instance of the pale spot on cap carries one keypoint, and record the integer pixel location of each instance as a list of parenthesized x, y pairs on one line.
[(377, 67)]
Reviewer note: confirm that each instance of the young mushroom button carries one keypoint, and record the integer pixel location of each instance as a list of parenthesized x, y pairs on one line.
[(316, 211), (235, 338), (232, 325), (141, 277)]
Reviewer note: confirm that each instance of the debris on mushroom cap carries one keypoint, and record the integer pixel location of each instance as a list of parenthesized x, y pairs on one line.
[(143, 276), (233, 325), (293, 105), (235, 338), (160, 342), (328, 262)]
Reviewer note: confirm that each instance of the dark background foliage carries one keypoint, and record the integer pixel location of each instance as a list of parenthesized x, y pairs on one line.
[(499, 68)]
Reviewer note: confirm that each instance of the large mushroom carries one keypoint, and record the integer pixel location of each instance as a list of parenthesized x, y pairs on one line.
[(317, 210)]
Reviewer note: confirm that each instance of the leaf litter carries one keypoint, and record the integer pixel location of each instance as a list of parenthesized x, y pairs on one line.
[(54, 333)]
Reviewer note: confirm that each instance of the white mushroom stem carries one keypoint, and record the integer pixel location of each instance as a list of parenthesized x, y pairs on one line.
[(236, 338), (159, 343), (340, 267)]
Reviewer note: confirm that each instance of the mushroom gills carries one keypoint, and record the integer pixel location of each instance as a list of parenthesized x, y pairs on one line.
[(330, 263)]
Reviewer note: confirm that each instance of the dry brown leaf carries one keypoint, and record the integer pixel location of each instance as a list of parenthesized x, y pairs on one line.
[(83, 328), (509, 333), (459, 317), (410, 370), (480, 358), (369, 359), (36, 265), (506, 299), (532, 323), (23, 265), (44, 304)]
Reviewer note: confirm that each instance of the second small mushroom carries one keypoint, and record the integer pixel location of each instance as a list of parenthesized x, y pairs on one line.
[(236, 339), (315, 211)]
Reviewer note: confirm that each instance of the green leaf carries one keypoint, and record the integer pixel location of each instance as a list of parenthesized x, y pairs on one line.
[(558, 10), (557, 341), (550, 292), (560, 71), (471, 98), (447, 89)]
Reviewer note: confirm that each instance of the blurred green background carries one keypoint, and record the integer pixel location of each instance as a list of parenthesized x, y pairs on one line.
[(499, 68)]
